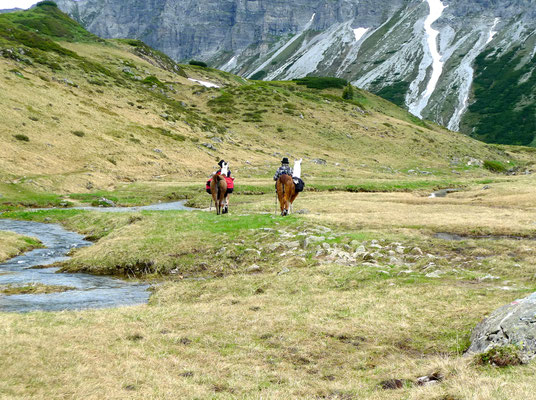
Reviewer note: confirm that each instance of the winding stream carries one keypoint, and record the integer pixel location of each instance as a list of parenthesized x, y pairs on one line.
[(91, 291)]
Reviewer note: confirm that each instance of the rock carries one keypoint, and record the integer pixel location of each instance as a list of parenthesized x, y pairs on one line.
[(416, 251), (326, 246), (253, 269), (209, 146), (292, 245), (475, 162), (435, 274), (431, 379), (312, 239), (285, 270), (512, 324), (89, 185), (395, 261), (319, 161), (400, 249), (103, 201), (157, 151), (303, 211), (360, 250), (274, 246)]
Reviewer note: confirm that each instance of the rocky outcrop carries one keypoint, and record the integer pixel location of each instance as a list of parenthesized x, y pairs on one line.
[(380, 46), (513, 324)]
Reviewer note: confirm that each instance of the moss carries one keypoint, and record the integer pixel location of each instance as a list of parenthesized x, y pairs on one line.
[(505, 356)]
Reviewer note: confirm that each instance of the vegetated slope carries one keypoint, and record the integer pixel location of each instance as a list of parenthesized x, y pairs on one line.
[(82, 113), (381, 46)]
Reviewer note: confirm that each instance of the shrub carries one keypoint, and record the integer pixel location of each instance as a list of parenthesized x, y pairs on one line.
[(152, 80), (348, 92), (198, 63), (319, 82), (500, 356), (78, 133), (259, 76), (21, 137), (495, 166), (46, 3)]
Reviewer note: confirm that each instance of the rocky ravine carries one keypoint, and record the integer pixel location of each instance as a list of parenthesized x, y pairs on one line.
[(466, 64)]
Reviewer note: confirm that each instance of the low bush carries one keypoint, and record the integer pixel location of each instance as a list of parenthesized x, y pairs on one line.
[(78, 133), (505, 356), (198, 63), (319, 82), (495, 166), (21, 137)]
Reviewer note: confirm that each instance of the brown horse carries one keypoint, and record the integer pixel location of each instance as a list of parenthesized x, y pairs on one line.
[(286, 193), (218, 187)]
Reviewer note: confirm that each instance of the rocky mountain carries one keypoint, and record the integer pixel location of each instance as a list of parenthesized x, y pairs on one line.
[(466, 64)]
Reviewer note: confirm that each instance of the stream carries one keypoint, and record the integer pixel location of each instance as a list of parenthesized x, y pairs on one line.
[(91, 291)]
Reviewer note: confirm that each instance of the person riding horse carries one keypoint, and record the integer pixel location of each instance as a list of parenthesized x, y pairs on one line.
[(284, 169), (230, 182), (288, 184)]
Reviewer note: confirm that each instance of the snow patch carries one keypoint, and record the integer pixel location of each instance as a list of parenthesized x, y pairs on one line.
[(205, 83), (492, 31), (359, 33), (436, 10)]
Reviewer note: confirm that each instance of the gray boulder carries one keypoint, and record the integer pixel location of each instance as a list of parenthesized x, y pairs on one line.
[(512, 324)]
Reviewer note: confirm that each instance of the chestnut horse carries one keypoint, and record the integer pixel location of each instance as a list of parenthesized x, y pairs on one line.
[(218, 187), (286, 193)]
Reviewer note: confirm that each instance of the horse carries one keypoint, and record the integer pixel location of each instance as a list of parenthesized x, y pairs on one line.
[(218, 187), (286, 193)]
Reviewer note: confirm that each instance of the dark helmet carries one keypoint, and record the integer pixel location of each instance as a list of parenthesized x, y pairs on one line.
[(221, 163), (284, 160)]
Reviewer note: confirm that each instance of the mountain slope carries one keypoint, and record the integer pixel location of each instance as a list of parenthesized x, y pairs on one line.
[(379, 46), (84, 113)]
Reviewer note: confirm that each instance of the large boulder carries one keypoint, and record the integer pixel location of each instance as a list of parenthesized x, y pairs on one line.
[(513, 324)]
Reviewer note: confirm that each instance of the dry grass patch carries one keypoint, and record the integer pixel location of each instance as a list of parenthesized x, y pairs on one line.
[(12, 245)]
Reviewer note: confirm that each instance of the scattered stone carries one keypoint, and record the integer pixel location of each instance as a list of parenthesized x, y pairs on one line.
[(104, 202), (319, 161), (254, 269), (474, 162), (487, 187), (303, 211), (431, 379), (209, 146), (292, 245), (285, 270)]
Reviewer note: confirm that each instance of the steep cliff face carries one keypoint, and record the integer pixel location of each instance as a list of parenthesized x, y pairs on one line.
[(424, 55)]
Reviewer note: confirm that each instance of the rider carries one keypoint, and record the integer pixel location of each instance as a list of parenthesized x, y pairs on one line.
[(221, 165), (228, 179), (284, 169)]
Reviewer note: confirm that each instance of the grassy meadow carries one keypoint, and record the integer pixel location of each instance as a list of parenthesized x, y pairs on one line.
[(353, 293)]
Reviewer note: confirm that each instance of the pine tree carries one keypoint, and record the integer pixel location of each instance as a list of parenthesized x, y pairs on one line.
[(348, 92)]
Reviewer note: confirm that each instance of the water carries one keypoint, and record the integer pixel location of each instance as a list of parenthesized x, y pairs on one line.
[(176, 206)]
